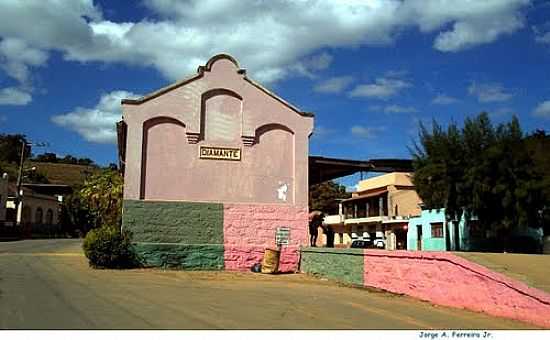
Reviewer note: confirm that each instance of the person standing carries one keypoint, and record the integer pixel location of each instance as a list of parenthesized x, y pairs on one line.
[(315, 221)]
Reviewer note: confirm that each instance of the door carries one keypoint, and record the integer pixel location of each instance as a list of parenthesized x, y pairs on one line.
[(419, 237)]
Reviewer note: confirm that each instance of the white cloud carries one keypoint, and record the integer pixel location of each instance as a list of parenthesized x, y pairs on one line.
[(471, 23), (543, 109), (542, 33), (383, 88), (16, 56), (443, 99), (14, 96), (543, 38), (366, 132), (270, 40), (489, 92), (333, 85), (399, 109), (309, 66), (96, 124)]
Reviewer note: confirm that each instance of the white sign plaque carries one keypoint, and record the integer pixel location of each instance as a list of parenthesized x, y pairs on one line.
[(282, 236)]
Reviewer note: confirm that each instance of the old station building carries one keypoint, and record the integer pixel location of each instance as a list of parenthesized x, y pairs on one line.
[(214, 166)]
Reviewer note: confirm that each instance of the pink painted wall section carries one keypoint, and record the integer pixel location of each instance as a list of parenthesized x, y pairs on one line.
[(250, 228), (220, 107), (449, 280)]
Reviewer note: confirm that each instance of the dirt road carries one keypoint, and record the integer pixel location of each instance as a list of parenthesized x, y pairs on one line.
[(46, 284)]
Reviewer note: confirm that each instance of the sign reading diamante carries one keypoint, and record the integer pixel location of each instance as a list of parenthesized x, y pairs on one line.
[(215, 152)]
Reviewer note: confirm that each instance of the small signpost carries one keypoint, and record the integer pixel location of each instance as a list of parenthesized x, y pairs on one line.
[(282, 236)]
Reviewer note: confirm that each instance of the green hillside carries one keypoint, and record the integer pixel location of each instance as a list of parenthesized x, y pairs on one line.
[(56, 173), (69, 174)]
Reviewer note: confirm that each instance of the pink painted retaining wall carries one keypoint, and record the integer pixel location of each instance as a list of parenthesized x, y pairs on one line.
[(250, 228), (449, 280)]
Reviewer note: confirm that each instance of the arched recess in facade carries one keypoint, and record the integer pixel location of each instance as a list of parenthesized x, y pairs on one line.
[(150, 143), (38, 216), (270, 127), (226, 124), (278, 167)]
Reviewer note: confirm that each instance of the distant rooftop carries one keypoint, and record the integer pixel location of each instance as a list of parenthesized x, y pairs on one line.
[(403, 179)]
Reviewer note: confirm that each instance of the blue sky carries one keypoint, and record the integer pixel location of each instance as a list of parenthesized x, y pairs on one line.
[(370, 70)]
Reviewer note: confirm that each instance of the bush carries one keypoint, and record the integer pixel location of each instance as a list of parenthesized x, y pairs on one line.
[(107, 247)]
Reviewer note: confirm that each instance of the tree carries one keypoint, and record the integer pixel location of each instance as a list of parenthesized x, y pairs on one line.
[(10, 148), (85, 161), (480, 171), (75, 214), (538, 145), (102, 196), (325, 196), (68, 159), (48, 157)]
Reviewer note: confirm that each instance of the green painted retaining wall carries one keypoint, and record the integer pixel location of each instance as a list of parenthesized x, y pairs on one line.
[(186, 235), (181, 256), (344, 265)]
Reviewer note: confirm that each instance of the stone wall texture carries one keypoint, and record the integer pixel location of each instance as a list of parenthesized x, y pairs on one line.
[(438, 277), (174, 222), (250, 228), (181, 256), (194, 235), (345, 265), (186, 235)]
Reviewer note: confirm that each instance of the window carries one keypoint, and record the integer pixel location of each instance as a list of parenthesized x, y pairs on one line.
[(437, 230)]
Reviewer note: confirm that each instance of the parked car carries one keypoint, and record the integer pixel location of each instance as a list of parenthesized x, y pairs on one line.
[(360, 244), (379, 240), (379, 243)]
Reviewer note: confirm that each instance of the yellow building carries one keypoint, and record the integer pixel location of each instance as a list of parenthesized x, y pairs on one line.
[(378, 211)]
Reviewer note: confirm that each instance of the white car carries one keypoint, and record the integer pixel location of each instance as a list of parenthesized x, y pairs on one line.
[(379, 241)]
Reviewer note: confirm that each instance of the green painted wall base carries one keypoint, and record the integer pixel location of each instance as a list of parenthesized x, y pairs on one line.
[(181, 256), (344, 265), (173, 222), (179, 235)]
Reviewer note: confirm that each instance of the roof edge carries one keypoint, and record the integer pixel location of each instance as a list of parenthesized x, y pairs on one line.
[(207, 68)]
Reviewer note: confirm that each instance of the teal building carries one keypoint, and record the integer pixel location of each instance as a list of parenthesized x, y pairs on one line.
[(432, 231)]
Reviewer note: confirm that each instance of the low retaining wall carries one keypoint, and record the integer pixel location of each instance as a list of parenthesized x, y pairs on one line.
[(437, 277), (212, 236)]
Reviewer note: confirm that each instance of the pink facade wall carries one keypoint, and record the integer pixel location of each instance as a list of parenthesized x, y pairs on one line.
[(448, 280), (250, 228), (219, 107)]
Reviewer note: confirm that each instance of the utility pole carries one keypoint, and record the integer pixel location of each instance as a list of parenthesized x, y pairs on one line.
[(24, 145), (20, 175)]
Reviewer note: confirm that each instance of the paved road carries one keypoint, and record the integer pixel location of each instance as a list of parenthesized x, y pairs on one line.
[(47, 284)]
